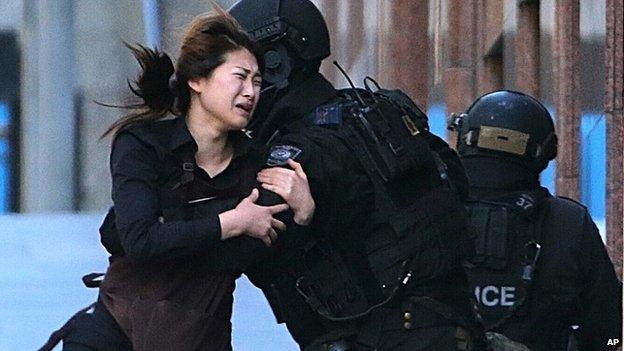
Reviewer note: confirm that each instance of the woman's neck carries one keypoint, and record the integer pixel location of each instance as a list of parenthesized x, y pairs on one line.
[(214, 149)]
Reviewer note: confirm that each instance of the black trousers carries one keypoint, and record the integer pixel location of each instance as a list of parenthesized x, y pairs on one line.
[(96, 330)]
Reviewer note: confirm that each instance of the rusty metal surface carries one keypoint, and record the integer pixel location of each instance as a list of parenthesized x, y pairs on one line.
[(489, 63), (404, 47), (527, 43), (567, 95), (459, 75), (615, 129)]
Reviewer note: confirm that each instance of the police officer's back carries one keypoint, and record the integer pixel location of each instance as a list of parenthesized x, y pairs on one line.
[(381, 268), (540, 266)]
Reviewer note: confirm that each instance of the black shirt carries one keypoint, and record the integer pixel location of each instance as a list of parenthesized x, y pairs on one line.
[(147, 166)]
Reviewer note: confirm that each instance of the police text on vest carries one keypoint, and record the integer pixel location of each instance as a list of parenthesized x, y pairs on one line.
[(491, 295)]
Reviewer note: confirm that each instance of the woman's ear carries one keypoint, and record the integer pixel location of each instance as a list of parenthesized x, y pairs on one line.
[(195, 85)]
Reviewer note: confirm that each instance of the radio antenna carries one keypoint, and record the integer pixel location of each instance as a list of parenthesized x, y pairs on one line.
[(350, 83)]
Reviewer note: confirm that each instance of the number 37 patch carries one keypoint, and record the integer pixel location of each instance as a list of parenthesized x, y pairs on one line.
[(280, 154)]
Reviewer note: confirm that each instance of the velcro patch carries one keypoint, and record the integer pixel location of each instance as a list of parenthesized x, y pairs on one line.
[(328, 115), (280, 154)]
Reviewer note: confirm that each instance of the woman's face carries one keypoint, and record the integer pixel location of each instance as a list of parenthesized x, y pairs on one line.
[(229, 95)]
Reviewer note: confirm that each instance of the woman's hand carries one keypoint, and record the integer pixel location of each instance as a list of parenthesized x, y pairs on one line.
[(253, 220), (292, 186)]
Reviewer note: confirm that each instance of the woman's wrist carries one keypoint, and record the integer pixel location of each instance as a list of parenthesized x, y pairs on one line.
[(230, 224), (304, 217)]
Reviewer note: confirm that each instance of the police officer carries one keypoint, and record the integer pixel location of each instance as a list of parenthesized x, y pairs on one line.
[(540, 266), (381, 268)]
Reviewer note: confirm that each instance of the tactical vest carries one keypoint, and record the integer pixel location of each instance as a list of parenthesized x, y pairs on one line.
[(418, 230), (508, 245)]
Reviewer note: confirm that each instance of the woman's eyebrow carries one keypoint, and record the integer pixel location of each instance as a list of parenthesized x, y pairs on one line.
[(247, 70)]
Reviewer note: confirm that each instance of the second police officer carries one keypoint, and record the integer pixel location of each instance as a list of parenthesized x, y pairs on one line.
[(382, 267), (540, 264)]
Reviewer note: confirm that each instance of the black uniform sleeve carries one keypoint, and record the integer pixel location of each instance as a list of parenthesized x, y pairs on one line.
[(274, 276), (601, 298), (134, 169)]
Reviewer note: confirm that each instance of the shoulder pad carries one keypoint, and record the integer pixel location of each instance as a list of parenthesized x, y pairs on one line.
[(523, 202), (569, 201), (279, 154)]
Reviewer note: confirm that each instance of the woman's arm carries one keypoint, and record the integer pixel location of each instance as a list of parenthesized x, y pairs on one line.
[(134, 169)]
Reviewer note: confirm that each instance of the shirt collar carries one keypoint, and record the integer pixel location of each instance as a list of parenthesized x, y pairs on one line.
[(181, 136), (182, 140)]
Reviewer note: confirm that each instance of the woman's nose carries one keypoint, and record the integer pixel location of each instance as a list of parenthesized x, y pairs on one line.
[(248, 89)]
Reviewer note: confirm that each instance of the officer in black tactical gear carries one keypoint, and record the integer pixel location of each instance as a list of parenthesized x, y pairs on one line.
[(382, 266), (540, 266)]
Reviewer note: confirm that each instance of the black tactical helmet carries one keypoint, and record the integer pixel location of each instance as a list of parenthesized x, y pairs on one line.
[(289, 31), (507, 123)]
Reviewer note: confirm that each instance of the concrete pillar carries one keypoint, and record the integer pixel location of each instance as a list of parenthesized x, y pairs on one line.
[(614, 56), (48, 127), (528, 48), (103, 80), (404, 47), (567, 96), (459, 76), (176, 15)]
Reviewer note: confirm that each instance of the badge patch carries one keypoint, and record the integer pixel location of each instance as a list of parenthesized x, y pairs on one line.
[(280, 154)]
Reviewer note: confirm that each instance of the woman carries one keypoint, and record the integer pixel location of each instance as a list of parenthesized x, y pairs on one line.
[(182, 190)]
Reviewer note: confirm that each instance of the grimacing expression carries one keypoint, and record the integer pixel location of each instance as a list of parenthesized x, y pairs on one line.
[(230, 94)]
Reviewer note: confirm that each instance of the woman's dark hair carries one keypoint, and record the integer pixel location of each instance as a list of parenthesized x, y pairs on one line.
[(162, 88)]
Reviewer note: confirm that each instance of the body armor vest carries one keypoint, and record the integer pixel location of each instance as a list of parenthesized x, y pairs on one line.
[(418, 230), (507, 250)]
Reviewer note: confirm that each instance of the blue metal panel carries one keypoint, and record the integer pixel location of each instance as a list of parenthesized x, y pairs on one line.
[(151, 23), (594, 164), (437, 120), (4, 158)]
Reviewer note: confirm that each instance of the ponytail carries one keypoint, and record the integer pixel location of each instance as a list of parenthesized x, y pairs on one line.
[(156, 88)]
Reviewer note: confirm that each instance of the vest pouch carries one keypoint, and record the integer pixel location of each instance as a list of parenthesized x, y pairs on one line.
[(434, 234), (380, 132), (492, 226), (327, 285), (508, 229)]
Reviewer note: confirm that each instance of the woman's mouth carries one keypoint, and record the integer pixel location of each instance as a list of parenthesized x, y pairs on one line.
[(246, 107)]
